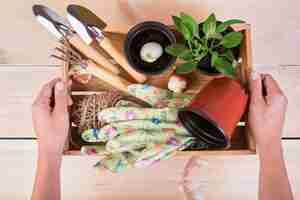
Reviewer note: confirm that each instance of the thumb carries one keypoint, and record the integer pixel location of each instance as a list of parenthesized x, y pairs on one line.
[(61, 98), (256, 87)]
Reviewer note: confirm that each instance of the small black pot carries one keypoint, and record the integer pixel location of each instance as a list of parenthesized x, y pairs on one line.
[(149, 31), (205, 64)]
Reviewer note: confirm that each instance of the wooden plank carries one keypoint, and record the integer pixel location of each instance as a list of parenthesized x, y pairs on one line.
[(216, 178), (275, 37), (19, 84), (289, 81)]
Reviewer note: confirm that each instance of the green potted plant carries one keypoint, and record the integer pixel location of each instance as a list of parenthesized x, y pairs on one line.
[(212, 46)]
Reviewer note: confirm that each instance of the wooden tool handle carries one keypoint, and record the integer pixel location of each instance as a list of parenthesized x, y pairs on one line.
[(107, 45), (108, 77), (92, 53), (65, 66)]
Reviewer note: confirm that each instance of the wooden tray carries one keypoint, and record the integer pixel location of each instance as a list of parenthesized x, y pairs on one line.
[(242, 143)]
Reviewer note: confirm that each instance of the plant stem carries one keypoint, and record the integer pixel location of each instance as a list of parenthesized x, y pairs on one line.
[(205, 43), (189, 44), (220, 43), (212, 43)]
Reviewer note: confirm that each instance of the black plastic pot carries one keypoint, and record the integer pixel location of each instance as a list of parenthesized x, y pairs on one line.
[(143, 33), (201, 126)]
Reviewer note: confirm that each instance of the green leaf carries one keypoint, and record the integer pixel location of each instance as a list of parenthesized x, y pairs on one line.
[(224, 66), (235, 64), (186, 68), (229, 55), (209, 25), (232, 39), (214, 57), (180, 51), (201, 55), (176, 49), (187, 34), (187, 56), (218, 36), (177, 21), (222, 27), (196, 44), (182, 28), (190, 23)]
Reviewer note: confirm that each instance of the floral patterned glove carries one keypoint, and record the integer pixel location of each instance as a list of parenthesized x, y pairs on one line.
[(159, 98), (138, 137)]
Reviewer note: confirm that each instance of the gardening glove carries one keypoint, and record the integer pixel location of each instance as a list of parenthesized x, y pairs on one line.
[(159, 98), (156, 97), (138, 137), (141, 149)]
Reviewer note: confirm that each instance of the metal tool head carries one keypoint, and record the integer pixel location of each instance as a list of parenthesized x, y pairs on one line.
[(54, 23), (87, 24)]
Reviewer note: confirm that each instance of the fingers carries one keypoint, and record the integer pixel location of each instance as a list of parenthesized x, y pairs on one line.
[(61, 98), (44, 96), (272, 89), (70, 101), (256, 88)]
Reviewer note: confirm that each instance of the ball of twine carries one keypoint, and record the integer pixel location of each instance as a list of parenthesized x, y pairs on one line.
[(84, 111)]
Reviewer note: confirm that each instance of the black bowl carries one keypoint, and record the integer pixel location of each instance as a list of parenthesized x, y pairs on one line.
[(149, 31)]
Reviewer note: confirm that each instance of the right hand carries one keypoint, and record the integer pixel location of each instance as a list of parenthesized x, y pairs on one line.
[(267, 113)]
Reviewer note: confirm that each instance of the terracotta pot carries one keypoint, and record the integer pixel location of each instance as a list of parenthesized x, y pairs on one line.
[(214, 113)]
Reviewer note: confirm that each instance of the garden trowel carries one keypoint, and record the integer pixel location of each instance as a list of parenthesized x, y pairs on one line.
[(60, 28), (90, 28)]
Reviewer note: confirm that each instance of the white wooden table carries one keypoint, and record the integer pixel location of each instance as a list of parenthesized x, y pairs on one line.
[(25, 66)]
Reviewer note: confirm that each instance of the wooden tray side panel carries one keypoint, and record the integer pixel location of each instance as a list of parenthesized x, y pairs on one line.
[(246, 68)]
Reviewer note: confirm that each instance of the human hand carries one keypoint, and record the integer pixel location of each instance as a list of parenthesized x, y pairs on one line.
[(51, 123), (267, 111)]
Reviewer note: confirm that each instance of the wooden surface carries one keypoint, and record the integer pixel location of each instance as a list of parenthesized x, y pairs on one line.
[(276, 45), (217, 178), (275, 25), (19, 85)]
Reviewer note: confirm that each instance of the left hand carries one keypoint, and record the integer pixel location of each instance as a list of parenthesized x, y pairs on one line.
[(51, 124)]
